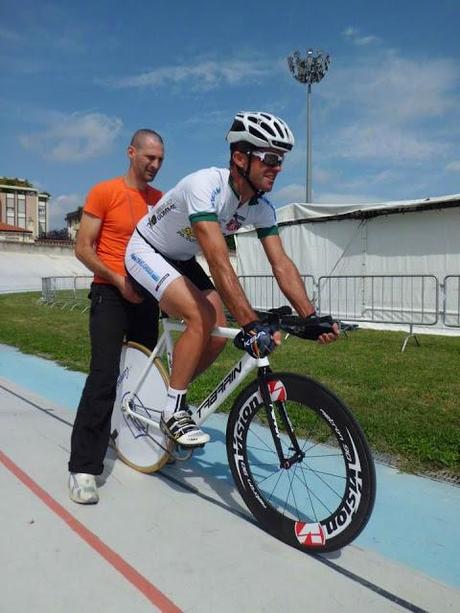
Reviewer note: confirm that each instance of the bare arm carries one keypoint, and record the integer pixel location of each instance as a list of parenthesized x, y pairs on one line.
[(287, 275), (215, 251), (291, 283), (90, 227)]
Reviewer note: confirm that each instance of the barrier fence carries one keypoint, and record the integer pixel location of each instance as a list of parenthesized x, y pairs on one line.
[(413, 300), (63, 292), (396, 299), (263, 291), (451, 308)]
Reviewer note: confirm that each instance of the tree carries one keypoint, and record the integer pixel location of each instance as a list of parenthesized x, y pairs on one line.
[(230, 240), (15, 182), (55, 235)]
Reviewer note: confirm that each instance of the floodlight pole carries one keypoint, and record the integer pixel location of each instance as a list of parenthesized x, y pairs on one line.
[(308, 183), (309, 70)]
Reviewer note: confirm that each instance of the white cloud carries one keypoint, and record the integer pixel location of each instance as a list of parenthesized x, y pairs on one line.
[(323, 176), (204, 75), (74, 138), (288, 194), (60, 206), (353, 35), (453, 166), (296, 193), (396, 88), (366, 140), (390, 106), (345, 198)]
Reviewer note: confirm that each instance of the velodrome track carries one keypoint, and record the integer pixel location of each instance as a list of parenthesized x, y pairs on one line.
[(183, 540)]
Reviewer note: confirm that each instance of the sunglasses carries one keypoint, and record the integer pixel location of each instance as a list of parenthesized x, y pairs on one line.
[(268, 158)]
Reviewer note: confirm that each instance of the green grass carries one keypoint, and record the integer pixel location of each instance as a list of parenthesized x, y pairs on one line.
[(407, 403)]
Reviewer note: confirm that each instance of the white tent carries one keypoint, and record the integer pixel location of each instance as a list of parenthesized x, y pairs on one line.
[(418, 237)]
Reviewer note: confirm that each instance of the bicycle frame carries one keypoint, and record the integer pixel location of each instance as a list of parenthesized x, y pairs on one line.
[(259, 432), (213, 401)]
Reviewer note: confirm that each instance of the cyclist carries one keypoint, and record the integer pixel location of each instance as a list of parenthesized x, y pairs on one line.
[(197, 214)]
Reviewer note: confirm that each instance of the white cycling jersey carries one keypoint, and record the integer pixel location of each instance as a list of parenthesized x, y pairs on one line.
[(205, 195)]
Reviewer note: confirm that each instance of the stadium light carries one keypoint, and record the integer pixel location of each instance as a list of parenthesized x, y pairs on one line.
[(308, 70)]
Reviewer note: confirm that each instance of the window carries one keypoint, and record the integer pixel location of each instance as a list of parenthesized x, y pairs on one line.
[(41, 217), (10, 218), (21, 211)]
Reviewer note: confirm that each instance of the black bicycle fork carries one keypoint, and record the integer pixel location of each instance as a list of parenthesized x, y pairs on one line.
[(264, 373)]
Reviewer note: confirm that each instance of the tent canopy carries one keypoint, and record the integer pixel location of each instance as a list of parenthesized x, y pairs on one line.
[(396, 239)]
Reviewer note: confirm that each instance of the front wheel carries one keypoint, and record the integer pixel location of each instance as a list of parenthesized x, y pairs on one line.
[(321, 495)]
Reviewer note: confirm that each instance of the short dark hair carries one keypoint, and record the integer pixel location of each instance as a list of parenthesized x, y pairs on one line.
[(242, 146), (140, 135)]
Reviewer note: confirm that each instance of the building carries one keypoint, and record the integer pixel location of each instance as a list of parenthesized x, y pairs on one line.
[(13, 233), (72, 220), (24, 209)]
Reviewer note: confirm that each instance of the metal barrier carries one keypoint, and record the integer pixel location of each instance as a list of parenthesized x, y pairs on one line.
[(451, 306), (263, 291), (397, 299), (63, 292), (391, 299), (411, 300)]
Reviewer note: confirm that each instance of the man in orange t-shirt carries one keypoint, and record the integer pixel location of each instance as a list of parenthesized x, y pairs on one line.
[(110, 214)]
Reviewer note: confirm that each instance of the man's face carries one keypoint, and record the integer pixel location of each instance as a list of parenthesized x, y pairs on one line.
[(146, 159), (264, 171)]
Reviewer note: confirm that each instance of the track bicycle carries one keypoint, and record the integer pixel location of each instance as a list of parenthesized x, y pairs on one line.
[(297, 455)]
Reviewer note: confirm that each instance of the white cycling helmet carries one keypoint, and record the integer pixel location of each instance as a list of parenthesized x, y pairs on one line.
[(261, 130)]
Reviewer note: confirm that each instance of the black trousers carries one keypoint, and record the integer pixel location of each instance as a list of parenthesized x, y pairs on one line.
[(112, 318)]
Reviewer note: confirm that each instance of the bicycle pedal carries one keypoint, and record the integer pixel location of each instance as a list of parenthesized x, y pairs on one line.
[(189, 447)]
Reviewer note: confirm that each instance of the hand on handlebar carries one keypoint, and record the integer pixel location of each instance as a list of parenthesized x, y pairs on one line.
[(323, 329), (258, 339)]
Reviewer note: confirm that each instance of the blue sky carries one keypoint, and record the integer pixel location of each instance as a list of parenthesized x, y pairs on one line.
[(78, 78)]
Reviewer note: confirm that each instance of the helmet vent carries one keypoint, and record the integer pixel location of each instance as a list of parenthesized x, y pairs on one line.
[(268, 128)]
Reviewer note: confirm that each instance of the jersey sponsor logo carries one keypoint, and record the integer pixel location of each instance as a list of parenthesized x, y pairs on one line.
[(161, 281), (187, 234), (234, 223), (215, 193), (144, 266), (159, 214)]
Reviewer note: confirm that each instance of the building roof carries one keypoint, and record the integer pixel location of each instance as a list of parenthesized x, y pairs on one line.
[(20, 188), (72, 215), (5, 227)]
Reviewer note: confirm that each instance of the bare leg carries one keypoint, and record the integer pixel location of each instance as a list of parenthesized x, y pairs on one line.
[(215, 344), (185, 301)]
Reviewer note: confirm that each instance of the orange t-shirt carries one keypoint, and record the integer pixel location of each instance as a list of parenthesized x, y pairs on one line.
[(119, 207)]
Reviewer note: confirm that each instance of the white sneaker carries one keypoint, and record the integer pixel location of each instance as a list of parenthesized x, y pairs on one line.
[(181, 428), (83, 488)]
